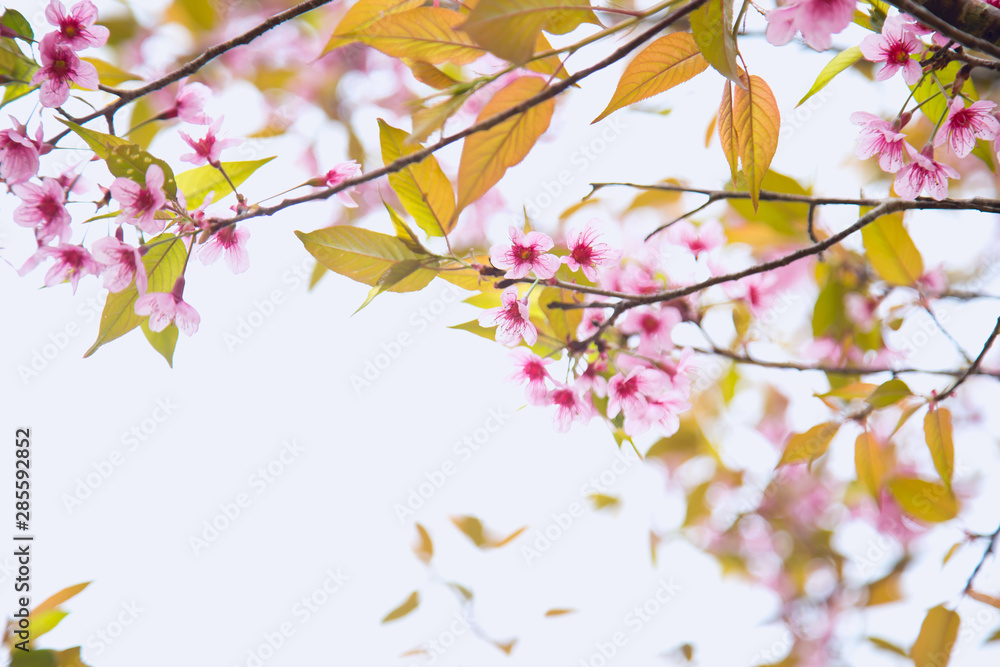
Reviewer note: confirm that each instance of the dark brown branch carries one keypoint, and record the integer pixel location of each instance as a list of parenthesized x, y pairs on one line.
[(986, 554), (971, 23)]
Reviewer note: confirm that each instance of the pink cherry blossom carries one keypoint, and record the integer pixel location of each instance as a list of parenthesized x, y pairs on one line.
[(629, 394), (570, 407), (681, 370), (757, 291), (531, 369), (190, 103), (76, 29), (964, 124), (208, 149), (817, 20), (654, 325), (166, 307), (340, 173), (704, 238), (586, 253), (893, 48), (860, 309), (72, 262), (140, 203), (19, 154), (511, 319), (122, 263), (934, 281), (665, 410), (879, 137), (43, 207), (924, 174), (590, 380), (525, 253), (60, 68), (229, 240)]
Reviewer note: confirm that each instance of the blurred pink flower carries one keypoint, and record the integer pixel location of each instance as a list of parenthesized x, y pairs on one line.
[(72, 262), (706, 237), (570, 407), (654, 325), (341, 172), (61, 67), (190, 103), (531, 369), (817, 20)]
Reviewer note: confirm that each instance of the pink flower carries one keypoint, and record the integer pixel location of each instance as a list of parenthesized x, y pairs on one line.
[(860, 309), (923, 174), (590, 380), (72, 263), (665, 411), (164, 308), (76, 29), (122, 263), (934, 281), (964, 124), (654, 325), (757, 291), (525, 253), (879, 137), (19, 154), (511, 319), (630, 394), (705, 238), (43, 207), (893, 48), (586, 253), (189, 104), (531, 368), (232, 242), (817, 20), (140, 204), (570, 407), (340, 173), (60, 68), (208, 149)]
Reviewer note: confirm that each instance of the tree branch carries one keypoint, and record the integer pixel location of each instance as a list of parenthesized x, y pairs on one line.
[(972, 369), (972, 23)]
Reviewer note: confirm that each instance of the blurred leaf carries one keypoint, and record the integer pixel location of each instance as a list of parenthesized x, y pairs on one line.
[(559, 612), (424, 548), (727, 130), (361, 15), (886, 590), (510, 28), (869, 464), (840, 62), (404, 233), (952, 551), (712, 28), (198, 183), (111, 75), (564, 322), (474, 530), (889, 393), (425, 33), (888, 646), (891, 250), (697, 504), (402, 610), (936, 639), (40, 623), (602, 501), (507, 646), (54, 601), (809, 446), (465, 592), (923, 500), (937, 430)]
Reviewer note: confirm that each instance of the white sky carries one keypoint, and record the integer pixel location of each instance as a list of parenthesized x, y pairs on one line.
[(332, 507)]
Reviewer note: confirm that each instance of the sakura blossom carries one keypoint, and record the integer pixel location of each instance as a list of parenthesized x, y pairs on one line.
[(630, 395), (166, 307), (924, 174), (511, 319), (705, 238), (882, 138), (665, 410), (340, 173), (757, 291), (893, 49), (966, 124), (190, 103), (19, 154), (76, 29), (816, 20), (531, 369), (140, 203), (43, 207), (586, 253), (208, 149), (525, 253), (654, 325), (72, 262), (230, 241), (591, 380), (122, 263), (570, 407), (61, 67)]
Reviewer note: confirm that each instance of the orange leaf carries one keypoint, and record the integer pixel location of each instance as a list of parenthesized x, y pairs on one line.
[(425, 33), (937, 430), (361, 15), (727, 131), (757, 121)]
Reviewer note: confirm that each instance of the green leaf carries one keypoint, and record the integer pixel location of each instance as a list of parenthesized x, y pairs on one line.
[(889, 393), (809, 446), (164, 341), (891, 250), (364, 255), (164, 263), (389, 279), (564, 323), (712, 27), (938, 432), (198, 183), (932, 104), (17, 69), (15, 20), (923, 500), (124, 158), (937, 638), (422, 188), (41, 623), (840, 62), (404, 233), (402, 610)]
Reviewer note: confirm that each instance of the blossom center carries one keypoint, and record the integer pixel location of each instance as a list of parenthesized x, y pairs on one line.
[(524, 253)]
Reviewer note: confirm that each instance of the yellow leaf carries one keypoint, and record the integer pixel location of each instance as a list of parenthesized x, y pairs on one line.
[(402, 610), (487, 155), (891, 250), (510, 28), (952, 551), (474, 530), (869, 464), (111, 75), (425, 33), (936, 639), (937, 430), (667, 62), (727, 130), (428, 120), (507, 646), (422, 188), (54, 601), (430, 75), (424, 548), (712, 28), (361, 15), (757, 121), (550, 65), (602, 501), (559, 612), (809, 446), (923, 500), (885, 591)]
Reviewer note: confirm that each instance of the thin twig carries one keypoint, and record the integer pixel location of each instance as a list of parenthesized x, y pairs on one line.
[(972, 368)]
